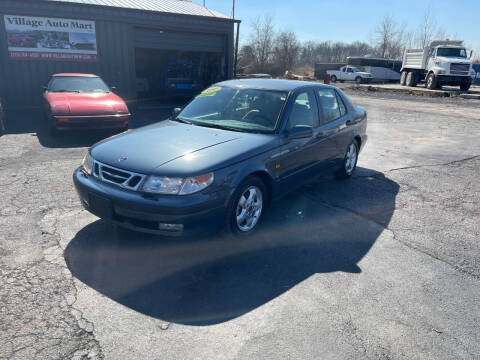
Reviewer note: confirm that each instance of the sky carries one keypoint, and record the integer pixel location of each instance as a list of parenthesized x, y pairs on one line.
[(346, 20)]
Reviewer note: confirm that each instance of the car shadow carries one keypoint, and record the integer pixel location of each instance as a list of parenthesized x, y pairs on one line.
[(323, 227), (33, 121)]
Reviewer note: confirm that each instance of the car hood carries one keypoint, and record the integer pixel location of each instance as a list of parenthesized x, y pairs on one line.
[(85, 104), (174, 149)]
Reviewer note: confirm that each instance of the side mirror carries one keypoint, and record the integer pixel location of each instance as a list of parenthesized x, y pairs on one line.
[(44, 88), (300, 132), (175, 112), (471, 54)]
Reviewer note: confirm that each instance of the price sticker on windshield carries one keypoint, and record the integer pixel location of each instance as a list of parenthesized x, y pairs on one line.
[(209, 92)]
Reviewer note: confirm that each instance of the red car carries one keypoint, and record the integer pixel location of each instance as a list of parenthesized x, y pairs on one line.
[(83, 101)]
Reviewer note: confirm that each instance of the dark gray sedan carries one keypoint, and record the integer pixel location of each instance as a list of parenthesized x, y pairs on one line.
[(221, 160)]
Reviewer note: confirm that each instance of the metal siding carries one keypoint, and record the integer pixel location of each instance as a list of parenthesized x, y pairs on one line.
[(115, 37)]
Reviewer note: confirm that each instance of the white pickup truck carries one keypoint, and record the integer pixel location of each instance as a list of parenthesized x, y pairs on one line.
[(349, 73)]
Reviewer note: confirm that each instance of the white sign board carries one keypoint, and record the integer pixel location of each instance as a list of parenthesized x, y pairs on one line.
[(41, 38)]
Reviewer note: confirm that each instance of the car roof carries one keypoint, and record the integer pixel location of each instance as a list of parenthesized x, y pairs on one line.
[(74, 75), (270, 84)]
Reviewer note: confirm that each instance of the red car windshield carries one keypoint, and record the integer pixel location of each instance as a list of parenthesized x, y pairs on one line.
[(77, 84)]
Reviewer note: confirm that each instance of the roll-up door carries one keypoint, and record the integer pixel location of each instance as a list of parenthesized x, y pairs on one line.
[(183, 41)]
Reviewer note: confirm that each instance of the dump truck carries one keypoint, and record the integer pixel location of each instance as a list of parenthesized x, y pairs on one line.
[(441, 62)]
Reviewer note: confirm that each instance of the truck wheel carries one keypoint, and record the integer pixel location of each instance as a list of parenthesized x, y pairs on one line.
[(431, 82), (333, 78), (403, 78), (465, 86), (358, 80), (410, 80)]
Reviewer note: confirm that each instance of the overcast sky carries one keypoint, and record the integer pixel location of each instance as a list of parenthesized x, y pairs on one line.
[(347, 20)]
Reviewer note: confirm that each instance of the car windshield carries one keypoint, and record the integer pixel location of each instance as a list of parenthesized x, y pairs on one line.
[(77, 84), (452, 52), (251, 110)]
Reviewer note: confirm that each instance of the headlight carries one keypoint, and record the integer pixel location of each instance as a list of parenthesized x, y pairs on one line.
[(177, 186), (87, 163)]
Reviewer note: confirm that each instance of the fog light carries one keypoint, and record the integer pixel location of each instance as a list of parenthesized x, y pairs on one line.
[(170, 227)]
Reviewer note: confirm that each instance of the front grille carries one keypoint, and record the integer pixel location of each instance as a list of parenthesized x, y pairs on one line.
[(459, 69), (112, 175)]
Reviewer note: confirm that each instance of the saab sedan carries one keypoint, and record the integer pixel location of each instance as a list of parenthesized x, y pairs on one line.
[(221, 160)]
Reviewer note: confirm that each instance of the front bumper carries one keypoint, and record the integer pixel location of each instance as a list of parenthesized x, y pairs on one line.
[(66, 123), (453, 79), (183, 215)]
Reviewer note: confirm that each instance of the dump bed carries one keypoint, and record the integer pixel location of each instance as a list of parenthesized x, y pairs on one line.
[(415, 59)]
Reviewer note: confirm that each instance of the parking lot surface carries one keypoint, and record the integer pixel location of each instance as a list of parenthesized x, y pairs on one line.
[(385, 265)]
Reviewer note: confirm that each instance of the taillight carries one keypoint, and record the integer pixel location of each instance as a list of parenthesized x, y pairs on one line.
[(170, 86)]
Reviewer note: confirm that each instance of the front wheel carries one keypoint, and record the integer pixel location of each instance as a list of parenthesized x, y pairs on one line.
[(465, 86), (431, 82), (246, 207), (358, 80), (349, 162), (333, 78)]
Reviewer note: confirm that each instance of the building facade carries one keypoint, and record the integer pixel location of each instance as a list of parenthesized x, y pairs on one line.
[(133, 45)]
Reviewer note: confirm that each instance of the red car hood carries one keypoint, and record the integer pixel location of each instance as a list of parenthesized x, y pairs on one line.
[(85, 104)]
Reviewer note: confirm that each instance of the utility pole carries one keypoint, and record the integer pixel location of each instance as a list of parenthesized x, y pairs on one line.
[(203, 3), (233, 10)]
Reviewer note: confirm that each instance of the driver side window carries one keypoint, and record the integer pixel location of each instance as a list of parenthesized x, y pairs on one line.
[(304, 111)]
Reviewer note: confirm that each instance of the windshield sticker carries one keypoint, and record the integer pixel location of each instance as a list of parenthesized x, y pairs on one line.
[(209, 92)]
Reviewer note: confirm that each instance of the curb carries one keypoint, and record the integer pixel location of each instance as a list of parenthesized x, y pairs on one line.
[(413, 91)]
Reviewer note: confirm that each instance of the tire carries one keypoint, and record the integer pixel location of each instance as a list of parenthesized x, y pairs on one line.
[(403, 78), (50, 125), (465, 86), (431, 82), (348, 167), (410, 80), (333, 78), (358, 80), (253, 212)]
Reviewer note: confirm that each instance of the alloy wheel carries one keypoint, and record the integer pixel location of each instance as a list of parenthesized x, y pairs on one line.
[(351, 159), (249, 208)]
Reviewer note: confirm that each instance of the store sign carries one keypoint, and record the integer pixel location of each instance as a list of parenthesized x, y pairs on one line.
[(54, 39)]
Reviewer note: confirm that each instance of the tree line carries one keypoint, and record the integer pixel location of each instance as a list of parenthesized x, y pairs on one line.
[(270, 51)]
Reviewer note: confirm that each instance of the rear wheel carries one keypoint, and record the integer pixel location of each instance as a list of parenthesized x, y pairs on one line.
[(349, 162), (403, 78), (333, 78), (410, 80), (246, 207)]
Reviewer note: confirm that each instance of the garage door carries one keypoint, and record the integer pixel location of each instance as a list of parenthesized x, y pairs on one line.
[(184, 41)]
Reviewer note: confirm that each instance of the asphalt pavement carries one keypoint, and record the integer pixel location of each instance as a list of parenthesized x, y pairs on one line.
[(385, 265)]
